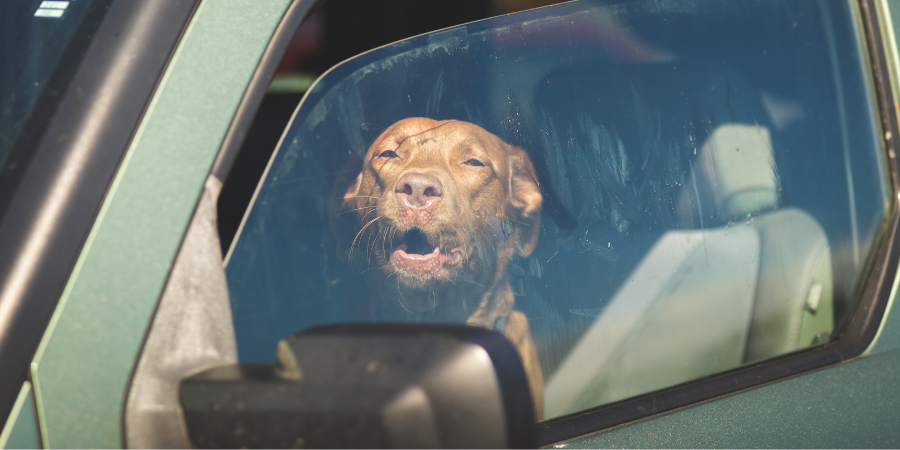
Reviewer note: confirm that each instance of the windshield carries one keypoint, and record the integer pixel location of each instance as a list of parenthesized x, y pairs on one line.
[(637, 194), (41, 43)]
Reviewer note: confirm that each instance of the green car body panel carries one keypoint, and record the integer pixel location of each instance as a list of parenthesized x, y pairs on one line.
[(84, 363), (81, 371), (22, 430), (852, 405)]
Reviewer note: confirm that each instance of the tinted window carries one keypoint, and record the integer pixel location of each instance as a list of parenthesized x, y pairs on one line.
[(41, 43), (637, 194)]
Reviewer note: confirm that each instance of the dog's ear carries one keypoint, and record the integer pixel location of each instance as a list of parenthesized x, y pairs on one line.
[(344, 203), (526, 199)]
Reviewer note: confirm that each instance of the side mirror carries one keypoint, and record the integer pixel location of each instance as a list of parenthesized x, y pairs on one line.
[(368, 385)]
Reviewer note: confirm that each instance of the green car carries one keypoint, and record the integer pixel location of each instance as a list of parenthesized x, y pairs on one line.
[(626, 223)]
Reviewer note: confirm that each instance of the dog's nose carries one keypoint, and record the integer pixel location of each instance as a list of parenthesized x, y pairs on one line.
[(419, 191)]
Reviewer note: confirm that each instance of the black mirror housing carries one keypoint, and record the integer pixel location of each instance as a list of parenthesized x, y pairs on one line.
[(368, 385)]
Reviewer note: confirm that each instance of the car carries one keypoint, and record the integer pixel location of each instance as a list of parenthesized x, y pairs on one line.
[(713, 261)]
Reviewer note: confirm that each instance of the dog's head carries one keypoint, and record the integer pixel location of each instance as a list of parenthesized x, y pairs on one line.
[(437, 202)]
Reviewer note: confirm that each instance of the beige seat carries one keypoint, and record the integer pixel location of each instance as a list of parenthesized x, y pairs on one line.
[(707, 300), (793, 306)]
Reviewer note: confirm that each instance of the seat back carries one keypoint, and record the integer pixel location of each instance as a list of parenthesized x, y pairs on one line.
[(793, 306), (706, 300)]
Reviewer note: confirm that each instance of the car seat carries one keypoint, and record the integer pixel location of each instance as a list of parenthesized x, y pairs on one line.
[(704, 299)]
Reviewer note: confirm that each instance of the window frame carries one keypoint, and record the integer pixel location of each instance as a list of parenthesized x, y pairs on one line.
[(873, 293)]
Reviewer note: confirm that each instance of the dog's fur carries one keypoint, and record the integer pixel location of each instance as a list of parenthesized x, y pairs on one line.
[(457, 188)]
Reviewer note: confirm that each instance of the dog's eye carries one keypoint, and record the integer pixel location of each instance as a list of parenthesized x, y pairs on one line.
[(474, 162), (388, 154)]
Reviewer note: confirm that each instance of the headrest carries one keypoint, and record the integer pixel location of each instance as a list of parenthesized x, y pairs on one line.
[(738, 168)]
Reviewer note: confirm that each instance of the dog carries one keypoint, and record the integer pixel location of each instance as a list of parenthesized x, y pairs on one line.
[(438, 210)]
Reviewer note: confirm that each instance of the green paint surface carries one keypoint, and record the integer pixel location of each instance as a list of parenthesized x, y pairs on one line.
[(22, 423), (852, 405), (83, 365), (888, 337)]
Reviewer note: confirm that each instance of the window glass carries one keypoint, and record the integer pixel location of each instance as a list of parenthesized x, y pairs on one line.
[(637, 194), (41, 43)]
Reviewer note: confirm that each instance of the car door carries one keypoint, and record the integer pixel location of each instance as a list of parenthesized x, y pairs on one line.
[(73, 96), (140, 206), (82, 372)]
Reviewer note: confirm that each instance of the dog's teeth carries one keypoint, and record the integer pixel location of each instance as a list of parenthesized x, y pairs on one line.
[(436, 249)]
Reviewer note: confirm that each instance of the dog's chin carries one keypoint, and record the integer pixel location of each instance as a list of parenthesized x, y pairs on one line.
[(420, 271)]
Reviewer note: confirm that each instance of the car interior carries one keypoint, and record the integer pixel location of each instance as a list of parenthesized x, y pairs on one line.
[(647, 149)]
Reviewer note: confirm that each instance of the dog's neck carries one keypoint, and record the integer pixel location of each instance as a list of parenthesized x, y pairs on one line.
[(495, 304), (461, 301), (479, 298)]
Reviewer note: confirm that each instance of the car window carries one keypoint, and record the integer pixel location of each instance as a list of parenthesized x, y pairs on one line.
[(637, 194), (41, 43)]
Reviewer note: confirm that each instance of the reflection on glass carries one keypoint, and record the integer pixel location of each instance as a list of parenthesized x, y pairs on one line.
[(636, 194), (41, 44)]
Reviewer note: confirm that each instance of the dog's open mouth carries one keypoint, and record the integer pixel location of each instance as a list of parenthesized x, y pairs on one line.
[(422, 254)]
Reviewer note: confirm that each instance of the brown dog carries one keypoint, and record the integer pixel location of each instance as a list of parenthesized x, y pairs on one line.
[(438, 210)]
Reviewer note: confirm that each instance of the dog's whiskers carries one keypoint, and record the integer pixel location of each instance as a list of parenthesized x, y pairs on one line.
[(354, 210), (433, 303), (401, 296), (361, 196), (488, 223), (373, 242), (371, 210), (383, 234), (353, 244), (487, 239)]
